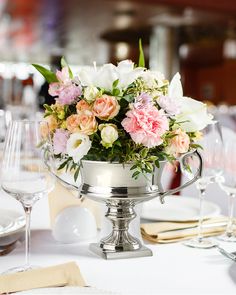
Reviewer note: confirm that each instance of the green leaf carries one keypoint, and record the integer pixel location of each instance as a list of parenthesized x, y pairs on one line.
[(133, 167), (47, 107), (141, 61), (115, 83), (115, 92), (65, 64), (63, 164), (157, 164), (135, 174), (47, 74), (129, 97), (144, 153), (76, 173)]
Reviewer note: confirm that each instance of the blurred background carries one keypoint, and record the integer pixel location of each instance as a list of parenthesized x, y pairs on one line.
[(195, 37)]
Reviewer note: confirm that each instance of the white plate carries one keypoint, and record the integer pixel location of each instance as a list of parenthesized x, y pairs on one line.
[(12, 225), (178, 208), (68, 290)]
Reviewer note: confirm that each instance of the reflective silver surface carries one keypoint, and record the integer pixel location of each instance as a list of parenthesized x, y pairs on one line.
[(113, 184)]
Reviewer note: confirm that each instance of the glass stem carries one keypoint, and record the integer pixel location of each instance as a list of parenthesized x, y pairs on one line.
[(201, 197), (229, 229), (28, 210)]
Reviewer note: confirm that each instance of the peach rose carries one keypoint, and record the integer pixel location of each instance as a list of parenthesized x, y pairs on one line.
[(49, 126), (106, 107), (178, 144), (82, 105), (72, 123), (87, 123)]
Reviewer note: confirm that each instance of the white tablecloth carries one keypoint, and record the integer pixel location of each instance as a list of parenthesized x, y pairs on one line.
[(173, 269)]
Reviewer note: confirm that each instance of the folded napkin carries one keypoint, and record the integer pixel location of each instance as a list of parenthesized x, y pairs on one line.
[(61, 198), (168, 232), (67, 274)]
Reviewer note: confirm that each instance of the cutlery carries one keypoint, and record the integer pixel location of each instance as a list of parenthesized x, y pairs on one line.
[(231, 255)]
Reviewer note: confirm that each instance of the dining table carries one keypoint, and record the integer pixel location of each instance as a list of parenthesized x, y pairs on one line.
[(173, 269)]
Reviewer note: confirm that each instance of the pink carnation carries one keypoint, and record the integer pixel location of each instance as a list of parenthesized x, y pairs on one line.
[(60, 140), (146, 125), (65, 90), (68, 94)]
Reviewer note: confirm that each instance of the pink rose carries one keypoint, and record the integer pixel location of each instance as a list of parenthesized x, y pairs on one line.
[(146, 125), (87, 123), (72, 123), (106, 107), (84, 123), (60, 140), (82, 106), (178, 144)]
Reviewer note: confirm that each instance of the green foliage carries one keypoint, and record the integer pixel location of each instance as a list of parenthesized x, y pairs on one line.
[(141, 61), (47, 74)]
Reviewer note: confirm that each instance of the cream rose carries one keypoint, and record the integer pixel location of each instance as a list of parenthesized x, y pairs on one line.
[(106, 107), (90, 93), (109, 134), (178, 144)]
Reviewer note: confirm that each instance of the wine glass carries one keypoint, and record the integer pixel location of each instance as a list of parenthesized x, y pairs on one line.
[(212, 147), (228, 184), (24, 175)]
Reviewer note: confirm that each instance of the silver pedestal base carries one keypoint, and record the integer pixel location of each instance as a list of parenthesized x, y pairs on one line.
[(142, 252)]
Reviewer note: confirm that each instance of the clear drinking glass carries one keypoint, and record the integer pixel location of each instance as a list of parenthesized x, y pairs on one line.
[(228, 184), (24, 175), (212, 144)]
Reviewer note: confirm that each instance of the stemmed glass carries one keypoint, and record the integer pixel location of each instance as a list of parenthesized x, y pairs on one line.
[(228, 184), (24, 175), (212, 144)]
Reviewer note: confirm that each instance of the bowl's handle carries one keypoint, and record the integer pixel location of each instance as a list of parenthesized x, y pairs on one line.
[(183, 162)]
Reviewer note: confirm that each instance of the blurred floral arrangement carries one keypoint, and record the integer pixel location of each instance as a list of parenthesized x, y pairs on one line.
[(122, 113)]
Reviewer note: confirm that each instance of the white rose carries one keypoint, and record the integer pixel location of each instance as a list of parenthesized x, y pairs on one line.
[(78, 146), (90, 93), (109, 134), (193, 113)]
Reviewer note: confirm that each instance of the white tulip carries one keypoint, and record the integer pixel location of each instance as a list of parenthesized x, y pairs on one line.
[(78, 146)]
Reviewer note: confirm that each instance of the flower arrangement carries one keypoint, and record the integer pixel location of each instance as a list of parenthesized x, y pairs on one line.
[(121, 113)]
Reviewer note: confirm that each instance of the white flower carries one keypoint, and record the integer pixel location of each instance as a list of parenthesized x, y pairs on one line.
[(109, 134), (127, 74), (90, 93), (153, 79), (87, 76), (108, 73), (78, 146), (193, 113)]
